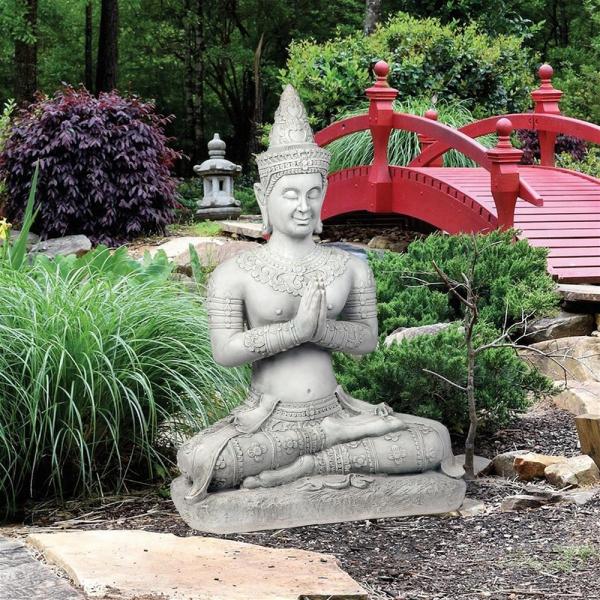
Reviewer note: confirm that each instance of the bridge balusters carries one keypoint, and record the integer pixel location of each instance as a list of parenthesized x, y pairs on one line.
[(504, 174), (426, 141), (381, 97), (546, 99)]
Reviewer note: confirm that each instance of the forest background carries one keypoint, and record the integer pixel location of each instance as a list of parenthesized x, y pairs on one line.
[(217, 65)]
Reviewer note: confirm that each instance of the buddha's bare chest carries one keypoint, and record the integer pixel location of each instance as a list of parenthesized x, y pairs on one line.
[(273, 287), (263, 305)]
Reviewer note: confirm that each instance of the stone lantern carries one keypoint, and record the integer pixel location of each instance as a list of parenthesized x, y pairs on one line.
[(218, 173)]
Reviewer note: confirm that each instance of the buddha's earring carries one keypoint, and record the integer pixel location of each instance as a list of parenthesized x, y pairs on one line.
[(319, 227), (267, 228)]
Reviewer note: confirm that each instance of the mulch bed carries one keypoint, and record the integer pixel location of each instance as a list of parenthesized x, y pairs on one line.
[(552, 552)]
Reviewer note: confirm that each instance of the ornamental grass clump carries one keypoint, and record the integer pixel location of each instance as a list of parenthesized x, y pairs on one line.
[(104, 166), (95, 355)]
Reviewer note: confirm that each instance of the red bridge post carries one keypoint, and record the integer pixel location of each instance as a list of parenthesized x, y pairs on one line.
[(504, 174), (546, 99), (425, 141), (381, 97)]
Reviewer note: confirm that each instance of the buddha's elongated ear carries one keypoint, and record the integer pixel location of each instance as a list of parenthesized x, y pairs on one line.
[(262, 204)]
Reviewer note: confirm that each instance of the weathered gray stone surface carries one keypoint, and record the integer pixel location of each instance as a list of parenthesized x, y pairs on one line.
[(522, 502), (481, 464), (574, 292), (565, 324), (579, 471), (408, 333), (219, 213), (504, 464), (69, 244), (32, 238), (382, 242), (245, 228), (579, 398), (22, 577), (577, 357), (320, 499), (141, 564)]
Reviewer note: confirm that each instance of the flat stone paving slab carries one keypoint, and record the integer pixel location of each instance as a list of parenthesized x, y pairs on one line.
[(141, 564), (573, 292), (22, 577)]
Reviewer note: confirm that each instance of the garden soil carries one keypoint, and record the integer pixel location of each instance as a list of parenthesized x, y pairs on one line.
[(551, 552)]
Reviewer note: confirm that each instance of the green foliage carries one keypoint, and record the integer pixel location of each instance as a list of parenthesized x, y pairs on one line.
[(357, 148), (245, 194), (590, 165), (580, 87), (396, 375), (96, 352), (510, 279), (428, 59)]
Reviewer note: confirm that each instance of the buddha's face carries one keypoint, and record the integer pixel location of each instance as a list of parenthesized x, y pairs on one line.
[(294, 204)]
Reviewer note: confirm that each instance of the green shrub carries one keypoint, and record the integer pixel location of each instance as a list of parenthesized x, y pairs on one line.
[(357, 148), (590, 165), (96, 352), (396, 375), (427, 59), (580, 87), (510, 278), (245, 194)]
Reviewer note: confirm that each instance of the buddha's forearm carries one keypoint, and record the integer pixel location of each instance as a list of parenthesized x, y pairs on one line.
[(348, 336), (259, 342)]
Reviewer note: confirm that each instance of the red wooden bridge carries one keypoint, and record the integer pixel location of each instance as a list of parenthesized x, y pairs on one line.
[(551, 207)]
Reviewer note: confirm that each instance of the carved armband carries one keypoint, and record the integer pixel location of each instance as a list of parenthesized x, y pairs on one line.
[(225, 312), (362, 302), (271, 339), (342, 335)]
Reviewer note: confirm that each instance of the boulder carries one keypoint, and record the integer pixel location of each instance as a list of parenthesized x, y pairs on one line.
[(578, 471), (522, 502), (579, 398), (565, 324), (532, 466), (382, 242), (577, 357), (32, 238), (212, 251), (572, 292), (408, 333), (69, 244), (504, 464)]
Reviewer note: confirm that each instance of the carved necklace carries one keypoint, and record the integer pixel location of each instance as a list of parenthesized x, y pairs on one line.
[(291, 275)]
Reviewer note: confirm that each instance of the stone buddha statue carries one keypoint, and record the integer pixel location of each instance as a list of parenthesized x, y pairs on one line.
[(298, 437)]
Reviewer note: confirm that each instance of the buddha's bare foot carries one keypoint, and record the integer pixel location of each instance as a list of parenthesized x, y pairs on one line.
[(338, 431), (302, 467)]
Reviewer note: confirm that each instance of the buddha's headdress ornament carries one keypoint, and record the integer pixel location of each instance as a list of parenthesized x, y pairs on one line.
[(292, 148)]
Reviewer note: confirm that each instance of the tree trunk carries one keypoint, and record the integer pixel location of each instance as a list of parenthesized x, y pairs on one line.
[(108, 53), (257, 117), (26, 59), (372, 16), (89, 59), (194, 76)]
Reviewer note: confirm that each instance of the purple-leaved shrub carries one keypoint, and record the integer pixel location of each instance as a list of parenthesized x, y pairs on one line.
[(104, 166), (530, 144)]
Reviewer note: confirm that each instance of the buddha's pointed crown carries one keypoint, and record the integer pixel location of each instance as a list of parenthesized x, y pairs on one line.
[(292, 148)]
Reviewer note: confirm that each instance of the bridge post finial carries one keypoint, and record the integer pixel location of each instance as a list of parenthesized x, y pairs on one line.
[(504, 173), (545, 101), (425, 141), (381, 109)]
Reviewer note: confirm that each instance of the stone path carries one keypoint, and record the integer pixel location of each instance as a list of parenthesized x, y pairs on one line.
[(139, 564), (22, 577)]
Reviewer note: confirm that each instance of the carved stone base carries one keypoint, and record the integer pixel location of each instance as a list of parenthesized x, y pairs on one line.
[(320, 499), (219, 213)]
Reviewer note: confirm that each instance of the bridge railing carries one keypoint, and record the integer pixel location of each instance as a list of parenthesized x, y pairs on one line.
[(546, 120), (501, 161)]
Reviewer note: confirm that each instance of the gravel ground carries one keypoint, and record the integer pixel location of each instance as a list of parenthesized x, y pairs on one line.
[(552, 552)]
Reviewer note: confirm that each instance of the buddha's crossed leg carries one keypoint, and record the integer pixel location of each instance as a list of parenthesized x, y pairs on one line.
[(423, 446)]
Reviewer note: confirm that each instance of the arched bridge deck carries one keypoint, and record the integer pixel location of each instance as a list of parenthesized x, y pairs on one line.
[(551, 207), (568, 223)]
